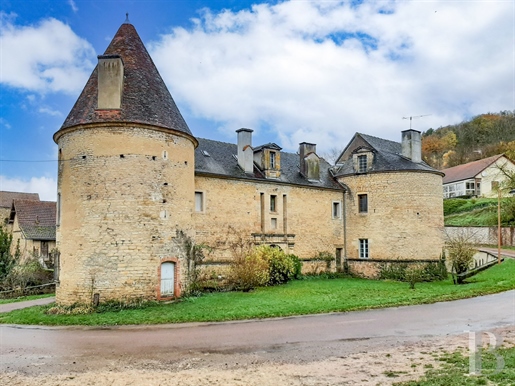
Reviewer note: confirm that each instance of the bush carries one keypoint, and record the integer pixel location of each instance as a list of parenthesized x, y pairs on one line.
[(394, 270), (409, 271), (27, 274), (264, 265), (297, 266), (281, 267), (249, 272), (461, 255)]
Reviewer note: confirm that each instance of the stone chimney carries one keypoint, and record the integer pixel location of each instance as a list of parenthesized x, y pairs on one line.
[(245, 151), (110, 82), (309, 161), (412, 145)]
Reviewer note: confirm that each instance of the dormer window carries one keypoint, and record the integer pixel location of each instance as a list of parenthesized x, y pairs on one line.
[(272, 160), (362, 163)]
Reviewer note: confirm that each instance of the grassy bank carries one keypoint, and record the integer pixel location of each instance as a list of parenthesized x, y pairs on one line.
[(310, 296)]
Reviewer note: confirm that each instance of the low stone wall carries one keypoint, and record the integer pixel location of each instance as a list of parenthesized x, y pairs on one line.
[(483, 235)]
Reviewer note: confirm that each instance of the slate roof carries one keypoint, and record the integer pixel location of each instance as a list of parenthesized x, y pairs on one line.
[(145, 97), (6, 198), (387, 158), (221, 162), (468, 170), (37, 219)]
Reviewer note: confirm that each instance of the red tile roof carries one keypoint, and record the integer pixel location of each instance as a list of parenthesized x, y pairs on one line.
[(37, 219), (145, 98), (469, 170), (6, 198)]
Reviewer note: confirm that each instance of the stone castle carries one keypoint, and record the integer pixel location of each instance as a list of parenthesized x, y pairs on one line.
[(136, 188)]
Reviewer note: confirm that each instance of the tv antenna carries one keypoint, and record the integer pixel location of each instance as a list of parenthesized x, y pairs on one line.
[(414, 117)]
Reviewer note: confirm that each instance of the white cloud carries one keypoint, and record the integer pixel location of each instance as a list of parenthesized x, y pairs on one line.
[(73, 6), (320, 71), (45, 186), (47, 57), (49, 111)]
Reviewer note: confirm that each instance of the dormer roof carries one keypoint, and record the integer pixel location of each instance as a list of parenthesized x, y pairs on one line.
[(387, 157), (145, 97)]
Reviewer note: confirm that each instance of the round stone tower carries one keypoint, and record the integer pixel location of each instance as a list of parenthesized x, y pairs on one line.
[(125, 183)]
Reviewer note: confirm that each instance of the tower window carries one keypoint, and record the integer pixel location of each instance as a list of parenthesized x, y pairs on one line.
[(363, 248), (336, 209), (363, 203), (199, 201)]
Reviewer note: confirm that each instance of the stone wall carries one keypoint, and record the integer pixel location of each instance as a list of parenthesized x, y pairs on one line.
[(483, 235), (126, 198), (301, 223), (404, 218)]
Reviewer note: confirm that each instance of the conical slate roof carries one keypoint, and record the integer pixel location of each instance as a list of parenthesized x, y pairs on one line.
[(145, 97)]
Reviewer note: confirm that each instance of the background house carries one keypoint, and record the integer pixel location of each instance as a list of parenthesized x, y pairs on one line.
[(479, 178), (6, 202), (33, 227)]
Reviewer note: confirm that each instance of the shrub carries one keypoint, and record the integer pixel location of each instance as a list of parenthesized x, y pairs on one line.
[(281, 267), (461, 255), (27, 274), (264, 265), (297, 266), (250, 271), (394, 270)]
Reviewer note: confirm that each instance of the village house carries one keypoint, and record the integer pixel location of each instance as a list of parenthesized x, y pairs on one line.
[(136, 189), (32, 224), (478, 178), (6, 202)]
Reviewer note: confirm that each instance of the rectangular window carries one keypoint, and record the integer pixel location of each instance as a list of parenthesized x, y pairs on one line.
[(273, 203), (336, 209), (362, 163), (199, 201), (363, 248), (363, 203), (272, 160), (495, 185), (273, 223)]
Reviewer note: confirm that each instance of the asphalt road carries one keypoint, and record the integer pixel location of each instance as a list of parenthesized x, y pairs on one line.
[(35, 350)]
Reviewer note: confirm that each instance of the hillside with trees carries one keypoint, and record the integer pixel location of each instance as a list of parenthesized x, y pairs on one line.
[(483, 136)]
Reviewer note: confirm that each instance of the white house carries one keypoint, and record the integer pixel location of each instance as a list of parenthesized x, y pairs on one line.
[(479, 178)]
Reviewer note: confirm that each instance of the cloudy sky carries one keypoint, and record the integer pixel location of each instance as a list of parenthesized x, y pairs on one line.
[(300, 70)]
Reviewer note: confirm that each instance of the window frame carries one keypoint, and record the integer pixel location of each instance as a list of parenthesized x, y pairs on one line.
[(202, 201), (338, 213), (364, 249), (273, 160), (363, 203), (362, 163), (273, 203)]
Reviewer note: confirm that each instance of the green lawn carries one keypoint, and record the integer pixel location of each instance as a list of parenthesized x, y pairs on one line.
[(310, 296)]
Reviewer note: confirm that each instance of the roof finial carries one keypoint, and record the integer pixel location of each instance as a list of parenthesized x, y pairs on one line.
[(127, 18)]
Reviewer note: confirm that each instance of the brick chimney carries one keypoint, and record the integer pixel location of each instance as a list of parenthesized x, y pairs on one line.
[(309, 161), (110, 81), (245, 151), (412, 145)]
